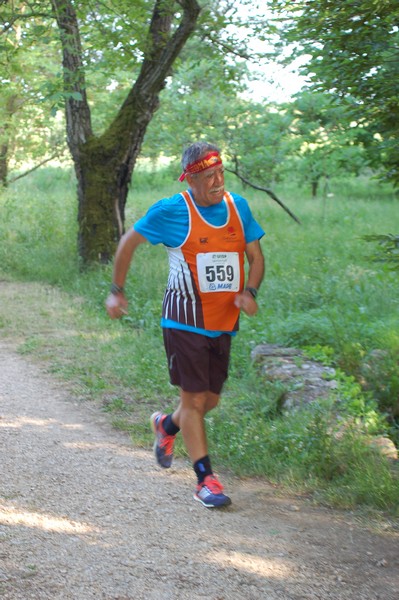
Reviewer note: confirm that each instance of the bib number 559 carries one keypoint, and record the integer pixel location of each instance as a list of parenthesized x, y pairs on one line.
[(219, 273)]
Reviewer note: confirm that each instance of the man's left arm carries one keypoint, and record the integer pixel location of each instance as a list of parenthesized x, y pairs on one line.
[(246, 300)]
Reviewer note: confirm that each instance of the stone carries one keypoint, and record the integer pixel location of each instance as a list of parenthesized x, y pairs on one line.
[(306, 380), (385, 446)]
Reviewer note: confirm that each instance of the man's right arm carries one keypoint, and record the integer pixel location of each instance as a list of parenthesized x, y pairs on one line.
[(116, 303)]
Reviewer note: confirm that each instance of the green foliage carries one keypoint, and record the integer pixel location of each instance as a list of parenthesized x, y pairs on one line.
[(324, 144), (265, 143), (258, 142), (319, 353), (305, 450), (29, 62), (38, 231), (114, 37), (353, 49), (200, 102), (388, 249)]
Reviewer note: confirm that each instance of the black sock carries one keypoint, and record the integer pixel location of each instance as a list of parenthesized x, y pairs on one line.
[(169, 427), (202, 468)]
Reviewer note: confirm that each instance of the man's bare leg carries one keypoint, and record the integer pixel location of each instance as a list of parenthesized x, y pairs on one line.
[(189, 417)]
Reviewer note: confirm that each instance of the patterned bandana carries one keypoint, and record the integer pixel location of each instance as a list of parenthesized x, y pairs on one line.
[(210, 160)]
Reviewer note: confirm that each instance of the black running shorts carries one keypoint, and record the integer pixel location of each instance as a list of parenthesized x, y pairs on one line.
[(197, 363)]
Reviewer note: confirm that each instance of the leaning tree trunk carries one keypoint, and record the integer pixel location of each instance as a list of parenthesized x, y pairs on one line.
[(104, 173), (104, 165)]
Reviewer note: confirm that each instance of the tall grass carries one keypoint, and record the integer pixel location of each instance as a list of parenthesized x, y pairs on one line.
[(321, 291)]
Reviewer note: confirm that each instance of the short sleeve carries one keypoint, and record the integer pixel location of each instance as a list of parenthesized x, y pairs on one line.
[(166, 222)]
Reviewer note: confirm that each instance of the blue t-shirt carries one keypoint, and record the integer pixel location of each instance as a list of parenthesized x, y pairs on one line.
[(167, 222)]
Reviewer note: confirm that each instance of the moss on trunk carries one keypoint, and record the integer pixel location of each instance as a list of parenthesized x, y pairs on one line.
[(104, 171), (100, 196)]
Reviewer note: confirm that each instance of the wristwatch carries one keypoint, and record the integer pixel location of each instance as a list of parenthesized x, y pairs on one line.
[(116, 289), (253, 291)]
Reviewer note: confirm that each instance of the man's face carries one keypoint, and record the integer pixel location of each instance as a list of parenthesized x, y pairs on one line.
[(207, 186)]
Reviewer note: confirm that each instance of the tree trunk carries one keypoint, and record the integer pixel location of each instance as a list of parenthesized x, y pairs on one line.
[(3, 163), (104, 165), (105, 168), (315, 187), (11, 107)]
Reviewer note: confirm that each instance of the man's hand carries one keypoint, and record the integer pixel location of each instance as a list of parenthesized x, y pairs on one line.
[(246, 302), (116, 305)]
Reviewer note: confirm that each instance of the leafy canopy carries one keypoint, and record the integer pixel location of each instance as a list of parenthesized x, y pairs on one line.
[(354, 52)]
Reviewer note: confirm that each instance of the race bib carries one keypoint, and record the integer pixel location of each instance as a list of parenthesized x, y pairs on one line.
[(218, 271)]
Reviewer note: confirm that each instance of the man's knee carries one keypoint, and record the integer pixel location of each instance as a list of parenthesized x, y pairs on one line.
[(212, 401), (195, 401)]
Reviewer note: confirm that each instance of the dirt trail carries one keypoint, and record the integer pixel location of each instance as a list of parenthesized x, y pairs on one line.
[(83, 516)]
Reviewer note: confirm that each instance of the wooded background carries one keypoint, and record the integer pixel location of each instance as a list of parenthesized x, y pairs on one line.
[(142, 79)]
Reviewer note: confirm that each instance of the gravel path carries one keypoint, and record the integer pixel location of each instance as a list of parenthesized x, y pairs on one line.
[(83, 516)]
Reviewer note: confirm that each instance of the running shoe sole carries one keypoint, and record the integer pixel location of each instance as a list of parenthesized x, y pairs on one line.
[(226, 502)]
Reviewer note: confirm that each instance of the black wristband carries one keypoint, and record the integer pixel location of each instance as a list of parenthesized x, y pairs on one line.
[(253, 291), (116, 289)]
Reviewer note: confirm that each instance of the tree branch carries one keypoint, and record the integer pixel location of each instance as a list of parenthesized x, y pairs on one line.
[(77, 108), (227, 48), (263, 189), (25, 173), (21, 16), (159, 60)]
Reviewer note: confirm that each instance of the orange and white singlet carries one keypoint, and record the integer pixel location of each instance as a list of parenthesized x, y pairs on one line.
[(206, 272)]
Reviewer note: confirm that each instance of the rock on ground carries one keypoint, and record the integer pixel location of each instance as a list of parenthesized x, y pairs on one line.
[(305, 380)]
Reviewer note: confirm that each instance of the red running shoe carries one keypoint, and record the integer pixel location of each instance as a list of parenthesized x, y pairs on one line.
[(210, 493), (163, 445)]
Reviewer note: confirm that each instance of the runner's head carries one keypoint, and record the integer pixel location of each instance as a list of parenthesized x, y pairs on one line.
[(203, 169)]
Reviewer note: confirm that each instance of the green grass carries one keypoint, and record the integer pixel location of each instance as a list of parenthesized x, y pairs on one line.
[(322, 292)]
